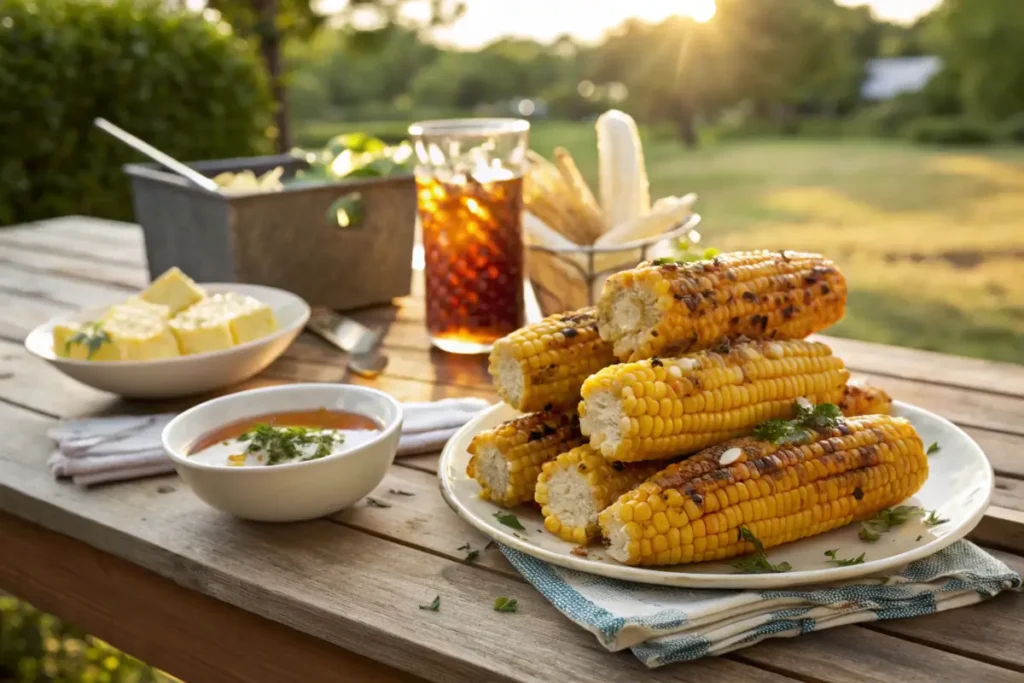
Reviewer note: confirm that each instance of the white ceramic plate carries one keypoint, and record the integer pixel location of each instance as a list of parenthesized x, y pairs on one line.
[(183, 375), (959, 487)]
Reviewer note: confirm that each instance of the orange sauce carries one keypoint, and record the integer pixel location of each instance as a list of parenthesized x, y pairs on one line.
[(317, 419)]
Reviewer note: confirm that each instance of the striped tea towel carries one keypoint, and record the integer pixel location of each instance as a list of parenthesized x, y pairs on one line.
[(662, 625)]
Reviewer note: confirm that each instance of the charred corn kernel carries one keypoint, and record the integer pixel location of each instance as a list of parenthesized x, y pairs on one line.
[(574, 487), (507, 460), (714, 394), (836, 476), (542, 366), (680, 308), (865, 400)]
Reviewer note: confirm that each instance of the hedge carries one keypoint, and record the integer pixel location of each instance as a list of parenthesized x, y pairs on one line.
[(178, 79)]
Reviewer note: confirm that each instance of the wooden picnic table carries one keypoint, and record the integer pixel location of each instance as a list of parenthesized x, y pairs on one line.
[(148, 567)]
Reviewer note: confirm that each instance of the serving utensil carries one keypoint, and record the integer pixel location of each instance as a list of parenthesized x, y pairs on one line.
[(190, 174), (360, 342)]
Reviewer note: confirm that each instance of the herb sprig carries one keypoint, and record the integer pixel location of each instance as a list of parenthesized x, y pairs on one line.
[(92, 336), (503, 604), (806, 417), (510, 520), (934, 448), (871, 529), (757, 563), (434, 606), (840, 562), (286, 444)]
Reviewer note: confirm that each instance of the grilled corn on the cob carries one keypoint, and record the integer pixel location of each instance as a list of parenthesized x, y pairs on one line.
[(506, 460), (666, 407), (541, 366), (573, 488), (678, 308), (693, 510)]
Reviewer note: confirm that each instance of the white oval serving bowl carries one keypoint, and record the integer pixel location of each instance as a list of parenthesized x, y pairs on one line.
[(182, 375), (294, 491)]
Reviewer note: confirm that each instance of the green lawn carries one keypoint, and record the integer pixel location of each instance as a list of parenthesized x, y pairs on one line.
[(931, 240)]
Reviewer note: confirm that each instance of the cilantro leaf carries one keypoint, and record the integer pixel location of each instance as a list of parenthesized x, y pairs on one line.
[(840, 562), (757, 563), (92, 336), (934, 448), (664, 261), (504, 604), (434, 605), (510, 520), (805, 418), (377, 503), (933, 519), (884, 520)]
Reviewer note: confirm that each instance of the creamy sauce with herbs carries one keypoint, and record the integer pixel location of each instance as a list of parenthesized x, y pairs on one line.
[(282, 438)]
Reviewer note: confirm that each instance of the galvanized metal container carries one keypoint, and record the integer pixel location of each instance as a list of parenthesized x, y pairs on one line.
[(283, 239)]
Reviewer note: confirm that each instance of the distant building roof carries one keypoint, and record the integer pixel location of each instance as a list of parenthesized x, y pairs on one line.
[(891, 76)]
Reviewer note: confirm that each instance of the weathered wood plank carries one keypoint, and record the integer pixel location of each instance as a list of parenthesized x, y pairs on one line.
[(335, 583), (860, 655), (35, 239), (98, 230), (20, 314), (60, 289), (71, 266), (979, 631), (930, 367), (180, 631), (1001, 528)]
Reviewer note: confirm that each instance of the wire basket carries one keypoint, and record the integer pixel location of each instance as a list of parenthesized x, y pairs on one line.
[(568, 278)]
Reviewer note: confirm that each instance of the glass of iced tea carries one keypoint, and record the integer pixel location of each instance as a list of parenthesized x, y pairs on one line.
[(469, 184)]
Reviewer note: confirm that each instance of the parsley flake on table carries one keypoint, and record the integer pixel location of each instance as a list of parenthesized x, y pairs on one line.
[(933, 519), (504, 604), (509, 520), (840, 562), (434, 605), (757, 563), (376, 503), (934, 448), (471, 553), (400, 492), (872, 528)]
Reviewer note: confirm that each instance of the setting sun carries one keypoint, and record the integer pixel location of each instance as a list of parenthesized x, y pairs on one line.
[(700, 10)]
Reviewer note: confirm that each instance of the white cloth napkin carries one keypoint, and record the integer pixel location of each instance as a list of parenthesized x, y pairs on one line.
[(98, 450)]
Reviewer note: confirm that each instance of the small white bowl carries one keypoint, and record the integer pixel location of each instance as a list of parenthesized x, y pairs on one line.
[(182, 375), (296, 491)]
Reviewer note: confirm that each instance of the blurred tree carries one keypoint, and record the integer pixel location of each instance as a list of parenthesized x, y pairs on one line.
[(272, 22), (981, 44)]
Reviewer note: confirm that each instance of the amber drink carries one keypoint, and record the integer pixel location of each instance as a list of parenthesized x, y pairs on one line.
[(470, 199)]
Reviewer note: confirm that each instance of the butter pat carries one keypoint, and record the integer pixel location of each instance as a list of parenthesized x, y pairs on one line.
[(173, 289), (142, 306), (123, 334), (221, 321)]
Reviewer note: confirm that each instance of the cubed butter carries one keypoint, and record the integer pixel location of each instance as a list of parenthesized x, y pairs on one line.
[(139, 336), (121, 335), (222, 320), (84, 342), (139, 304), (173, 289)]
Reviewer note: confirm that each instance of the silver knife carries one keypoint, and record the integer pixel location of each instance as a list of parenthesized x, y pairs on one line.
[(359, 341)]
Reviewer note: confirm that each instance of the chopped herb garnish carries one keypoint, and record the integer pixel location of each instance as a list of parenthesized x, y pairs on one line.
[(918, 538), (839, 562), (508, 519), (757, 563), (934, 448), (290, 444), (92, 336), (464, 546), (933, 519), (377, 503), (796, 430), (400, 492), (871, 529), (434, 605), (664, 261), (504, 604), (472, 555)]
